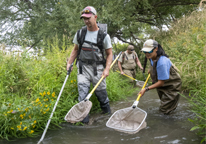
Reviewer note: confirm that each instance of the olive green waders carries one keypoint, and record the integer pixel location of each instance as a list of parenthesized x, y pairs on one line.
[(169, 92)]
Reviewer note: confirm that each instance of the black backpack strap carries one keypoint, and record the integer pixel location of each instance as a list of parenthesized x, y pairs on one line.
[(123, 57), (100, 38), (145, 64), (80, 40)]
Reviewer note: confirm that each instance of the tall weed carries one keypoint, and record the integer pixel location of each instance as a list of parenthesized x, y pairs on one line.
[(30, 85), (185, 44)]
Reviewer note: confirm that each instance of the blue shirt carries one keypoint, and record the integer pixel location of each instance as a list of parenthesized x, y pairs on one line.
[(163, 68)]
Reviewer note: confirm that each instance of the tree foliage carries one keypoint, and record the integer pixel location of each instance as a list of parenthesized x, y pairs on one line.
[(30, 22)]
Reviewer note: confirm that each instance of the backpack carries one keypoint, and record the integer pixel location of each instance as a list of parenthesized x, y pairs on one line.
[(81, 39)]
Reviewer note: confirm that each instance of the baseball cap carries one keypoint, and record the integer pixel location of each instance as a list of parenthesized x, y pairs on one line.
[(88, 12), (149, 45), (130, 47)]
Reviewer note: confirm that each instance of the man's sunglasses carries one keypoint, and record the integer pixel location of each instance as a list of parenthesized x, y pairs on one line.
[(87, 12), (149, 51), (132, 50)]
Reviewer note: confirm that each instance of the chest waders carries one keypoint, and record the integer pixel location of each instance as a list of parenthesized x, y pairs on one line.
[(129, 65), (168, 93), (89, 55)]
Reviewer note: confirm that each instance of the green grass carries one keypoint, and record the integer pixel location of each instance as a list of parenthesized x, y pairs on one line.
[(185, 44), (29, 88)]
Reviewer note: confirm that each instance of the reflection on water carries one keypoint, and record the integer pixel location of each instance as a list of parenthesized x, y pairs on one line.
[(161, 129)]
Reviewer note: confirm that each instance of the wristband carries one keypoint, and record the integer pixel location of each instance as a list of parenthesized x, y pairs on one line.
[(147, 89)]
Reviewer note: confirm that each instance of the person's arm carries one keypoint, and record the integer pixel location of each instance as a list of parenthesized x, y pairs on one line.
[(120, 67), (138, 63), (72, 56), (108, 62), (159, 83)]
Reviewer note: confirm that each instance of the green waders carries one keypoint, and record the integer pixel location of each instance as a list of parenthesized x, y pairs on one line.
[(169, 92)]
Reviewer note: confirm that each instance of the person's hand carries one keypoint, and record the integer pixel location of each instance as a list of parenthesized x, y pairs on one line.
[(148, 72), (68, 66), (142, 92), (141, 68), (122, 73), (105, 73)]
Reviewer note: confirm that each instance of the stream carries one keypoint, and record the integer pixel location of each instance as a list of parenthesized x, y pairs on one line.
[(161, 129)]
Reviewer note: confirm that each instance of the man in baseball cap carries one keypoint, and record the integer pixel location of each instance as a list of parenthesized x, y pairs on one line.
[(128, 61), (90, 62)]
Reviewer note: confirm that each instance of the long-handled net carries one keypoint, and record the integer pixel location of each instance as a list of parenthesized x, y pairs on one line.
[(129, 120)]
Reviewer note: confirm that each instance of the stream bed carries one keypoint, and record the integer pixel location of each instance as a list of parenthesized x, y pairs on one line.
[(161, 129)]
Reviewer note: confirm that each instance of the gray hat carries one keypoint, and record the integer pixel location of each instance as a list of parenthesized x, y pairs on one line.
[(130, 47), (149, 45)]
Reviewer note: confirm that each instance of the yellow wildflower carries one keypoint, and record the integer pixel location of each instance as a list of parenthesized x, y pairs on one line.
[(41, 94), (47, 109), (44, 112), (33, 126), (24, 128), (34, 121), (18, 126), (74, 80), (44, 93), (11, 111), (46, 105), (12, 128), (31, 131), (51, 99), (9, 104), (53, 94), (47, 99), (71, 81), (37, 100), (21, 116), (5, 114), (19, 109), (20, 123), (26, 109), (48, 93), (39, 103)]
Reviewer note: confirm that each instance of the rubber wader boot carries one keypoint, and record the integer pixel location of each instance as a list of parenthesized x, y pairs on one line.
[(104, 101), (86, 119)]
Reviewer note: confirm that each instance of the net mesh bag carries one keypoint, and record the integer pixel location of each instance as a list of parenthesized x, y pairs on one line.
[(78, 112), (128, 120), (140, 83)]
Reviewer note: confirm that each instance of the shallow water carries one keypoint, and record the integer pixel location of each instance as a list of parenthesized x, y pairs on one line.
[(161, 129)]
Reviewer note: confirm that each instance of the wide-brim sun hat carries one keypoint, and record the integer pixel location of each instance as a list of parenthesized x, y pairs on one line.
[(149, 45)]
